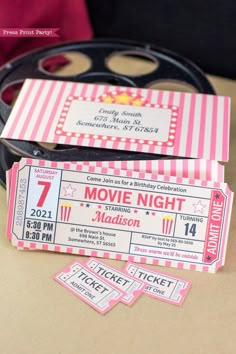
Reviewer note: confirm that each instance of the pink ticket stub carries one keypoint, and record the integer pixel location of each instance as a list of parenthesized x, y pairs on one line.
[(89, 287), (121, 118), (162, 286), (128, 284), (121, 214)]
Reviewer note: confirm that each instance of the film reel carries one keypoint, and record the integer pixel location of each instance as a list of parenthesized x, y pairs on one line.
[(95, 64)]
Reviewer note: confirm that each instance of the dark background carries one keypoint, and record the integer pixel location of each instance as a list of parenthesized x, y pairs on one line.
[(202, 31)]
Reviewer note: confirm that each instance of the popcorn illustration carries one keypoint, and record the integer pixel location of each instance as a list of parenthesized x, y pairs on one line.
[(65, 210), (167, 224)]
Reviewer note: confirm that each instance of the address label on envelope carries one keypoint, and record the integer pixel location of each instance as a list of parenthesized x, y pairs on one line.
[(135, 216), (121, 118)]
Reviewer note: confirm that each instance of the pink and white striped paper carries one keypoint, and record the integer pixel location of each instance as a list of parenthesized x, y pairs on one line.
[(190, 125)]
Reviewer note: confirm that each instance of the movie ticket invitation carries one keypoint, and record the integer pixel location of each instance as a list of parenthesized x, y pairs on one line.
[(113, 213)]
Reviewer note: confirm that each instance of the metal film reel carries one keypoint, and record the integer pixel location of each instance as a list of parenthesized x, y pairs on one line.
[(165, 66)]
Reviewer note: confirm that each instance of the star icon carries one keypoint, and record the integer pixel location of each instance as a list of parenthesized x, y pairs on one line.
[(208, 258), (137, 102), (108, 99), (135, 211), (69, 190), (198, 207), (147, 212), (87, 205), (99, 207), (217, 196), (123, 98)]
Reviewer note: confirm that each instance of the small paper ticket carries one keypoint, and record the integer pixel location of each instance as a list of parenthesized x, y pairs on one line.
[(89, 287), (122, 214), (162, 286), (129, 285)]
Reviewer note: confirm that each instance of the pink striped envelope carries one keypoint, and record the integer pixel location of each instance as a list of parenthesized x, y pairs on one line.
[(123, 118)]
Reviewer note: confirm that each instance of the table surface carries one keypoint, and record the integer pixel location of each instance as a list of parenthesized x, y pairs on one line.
[(38, 316)]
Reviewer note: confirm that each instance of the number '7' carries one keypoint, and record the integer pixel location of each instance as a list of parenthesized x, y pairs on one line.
[(43, 196)]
